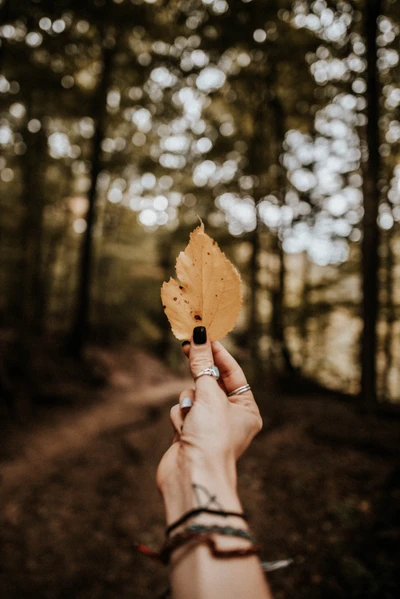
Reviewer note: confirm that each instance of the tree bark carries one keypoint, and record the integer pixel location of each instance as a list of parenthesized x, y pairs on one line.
[(370, 243), (99, 112)]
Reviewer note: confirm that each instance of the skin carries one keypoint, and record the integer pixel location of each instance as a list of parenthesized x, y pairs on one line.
[(209, 438)]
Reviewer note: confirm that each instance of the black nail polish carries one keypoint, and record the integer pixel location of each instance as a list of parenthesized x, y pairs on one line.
[(185, 343), (199, 335)]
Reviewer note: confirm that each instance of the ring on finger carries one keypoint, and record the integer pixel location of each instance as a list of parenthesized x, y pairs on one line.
[(240, 390), (211, 371)]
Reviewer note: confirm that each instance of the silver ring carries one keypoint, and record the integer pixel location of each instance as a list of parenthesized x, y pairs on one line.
[(240, 390), (211, 371)]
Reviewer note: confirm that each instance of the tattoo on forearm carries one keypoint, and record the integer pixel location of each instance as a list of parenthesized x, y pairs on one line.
[(204, 498)]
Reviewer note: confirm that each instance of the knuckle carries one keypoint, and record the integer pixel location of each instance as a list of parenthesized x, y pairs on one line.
[(198, 362)]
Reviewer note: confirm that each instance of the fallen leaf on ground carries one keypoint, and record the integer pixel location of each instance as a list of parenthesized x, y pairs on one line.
[(209, 292)]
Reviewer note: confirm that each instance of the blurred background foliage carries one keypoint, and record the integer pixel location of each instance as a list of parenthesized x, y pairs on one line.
[(275, 121)]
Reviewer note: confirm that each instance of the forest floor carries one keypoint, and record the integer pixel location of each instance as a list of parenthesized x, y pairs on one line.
[(321, 483)]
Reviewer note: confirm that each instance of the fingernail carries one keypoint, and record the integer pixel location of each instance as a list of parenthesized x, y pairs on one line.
[(186, 402), (185, 343), (199, 335)]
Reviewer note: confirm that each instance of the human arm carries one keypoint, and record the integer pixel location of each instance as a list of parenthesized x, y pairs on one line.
[(199, 470)]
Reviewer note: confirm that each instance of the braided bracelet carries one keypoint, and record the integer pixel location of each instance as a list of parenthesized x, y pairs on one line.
[(183, 538), (202, 510), (221, 530)]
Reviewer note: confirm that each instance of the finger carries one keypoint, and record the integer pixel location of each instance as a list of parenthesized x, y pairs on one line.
[(186, 348), (231, 373), (186, 400), (186, 351), (201, 357), (176, 420)]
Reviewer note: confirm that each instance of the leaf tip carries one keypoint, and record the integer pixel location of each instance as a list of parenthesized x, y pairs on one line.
[(200, 228)]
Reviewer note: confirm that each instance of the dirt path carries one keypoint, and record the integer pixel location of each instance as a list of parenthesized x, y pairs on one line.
[(138, 386)]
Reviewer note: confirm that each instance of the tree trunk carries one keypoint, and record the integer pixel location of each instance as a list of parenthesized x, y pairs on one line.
[(256, 166), (281, 354), (281, 350), (32, 283), (253, 338), (4, 12), (304, 313), (50, 260), (390, 316), (99, 113), (370, 243)]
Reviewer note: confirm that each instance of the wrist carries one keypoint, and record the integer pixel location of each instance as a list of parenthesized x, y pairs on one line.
[(196, 483)]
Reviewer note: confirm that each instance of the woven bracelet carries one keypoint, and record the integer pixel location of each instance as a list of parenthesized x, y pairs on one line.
[(229, 531), (202, 510), (183, 538)]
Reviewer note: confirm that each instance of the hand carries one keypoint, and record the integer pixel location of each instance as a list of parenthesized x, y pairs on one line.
[(217, 429)]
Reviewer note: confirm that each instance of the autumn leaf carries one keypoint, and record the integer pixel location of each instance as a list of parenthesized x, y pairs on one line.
[(209, 292)]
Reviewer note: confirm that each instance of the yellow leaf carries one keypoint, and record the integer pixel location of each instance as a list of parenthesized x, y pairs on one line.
[(209, 292)]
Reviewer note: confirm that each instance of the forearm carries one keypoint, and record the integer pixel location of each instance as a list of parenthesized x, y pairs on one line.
[(194, 571)]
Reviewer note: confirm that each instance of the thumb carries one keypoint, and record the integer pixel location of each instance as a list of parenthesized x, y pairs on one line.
[(201, 356)]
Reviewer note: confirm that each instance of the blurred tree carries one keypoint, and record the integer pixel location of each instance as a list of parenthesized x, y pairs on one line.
[(370, 242), (32, 282), (98, 114), (390, 313)]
